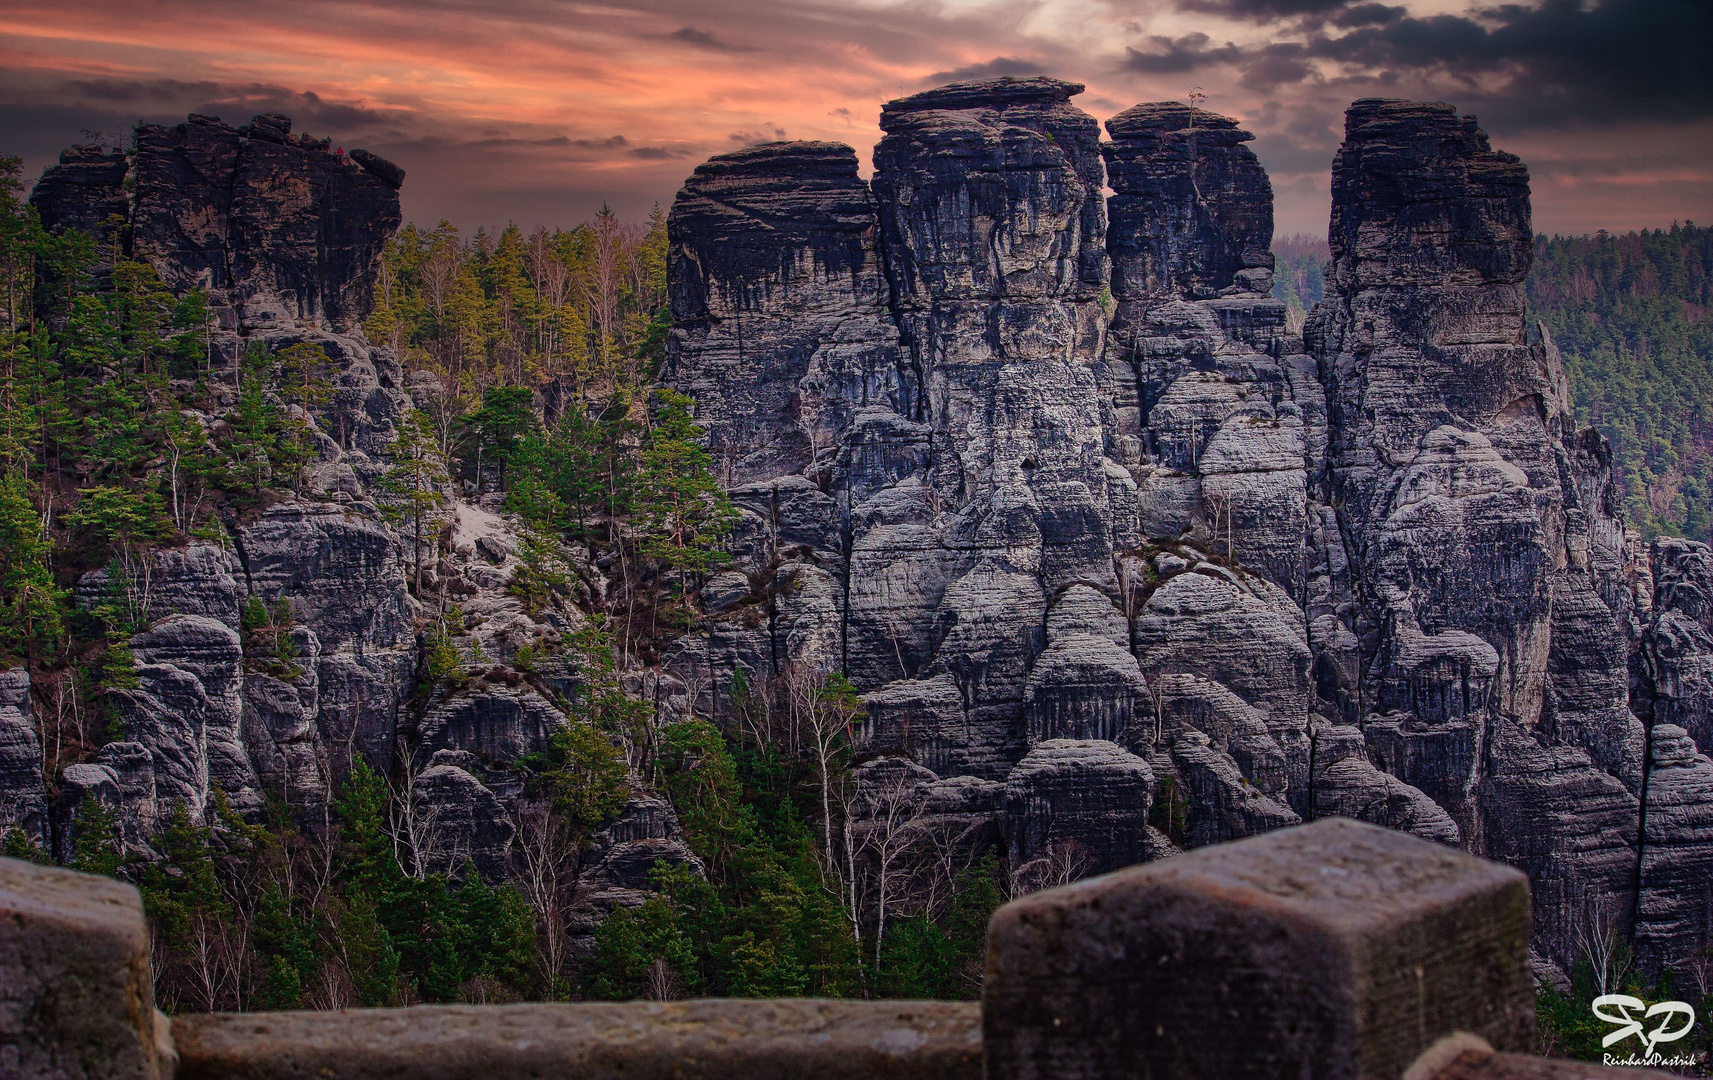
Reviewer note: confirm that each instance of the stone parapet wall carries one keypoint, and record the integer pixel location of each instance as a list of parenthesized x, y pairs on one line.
[(1334, 950)]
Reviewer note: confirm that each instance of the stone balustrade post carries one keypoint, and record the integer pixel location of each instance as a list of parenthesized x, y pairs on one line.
[(76, 996), (1332, 951)]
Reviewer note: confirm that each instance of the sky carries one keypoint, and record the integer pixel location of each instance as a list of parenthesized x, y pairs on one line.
[(539, 111)]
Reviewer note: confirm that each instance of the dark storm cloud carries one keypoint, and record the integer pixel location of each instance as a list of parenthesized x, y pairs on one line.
[(1169, 56), (1276, 65), (152, 90), (1368, 15), (702, 39), (168, 100), (1262, 10), (508, 110), (1553, 64), (999, 65)]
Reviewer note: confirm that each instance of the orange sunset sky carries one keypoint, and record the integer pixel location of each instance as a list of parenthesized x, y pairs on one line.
[(537, 111)]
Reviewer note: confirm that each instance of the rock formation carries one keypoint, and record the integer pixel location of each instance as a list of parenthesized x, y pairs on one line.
[(1119, 561), (284, 235), (1054, 485), (276, 226)]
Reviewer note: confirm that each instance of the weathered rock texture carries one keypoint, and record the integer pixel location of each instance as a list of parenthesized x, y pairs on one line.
[(76, 997), (1043, 476), (1119, 562), (1346, 949), (285, 234), (640, 1040), (282, 233), (277, 226)]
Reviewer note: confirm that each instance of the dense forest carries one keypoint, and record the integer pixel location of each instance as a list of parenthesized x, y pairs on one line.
[(119, 436), (1633, 315), (1299, 275)]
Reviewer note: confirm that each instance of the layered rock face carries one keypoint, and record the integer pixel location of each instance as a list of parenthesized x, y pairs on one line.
[(282, 233), (1085, 501), (1485, 550), (276, 226), (285, 235)]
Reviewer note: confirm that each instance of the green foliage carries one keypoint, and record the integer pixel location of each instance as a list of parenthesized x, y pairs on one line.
[(640, 953), (540, 575), (945, 959), (1632, 316), (254, 449), (109, 514), (1170, 812), (415, 482), (495, 434), (252, 614), (584, 773), (1568, 1028), (1299, 265), (761, 923), (441, 657), (95, 847), (18, 845), (256, 916), (684, 512)]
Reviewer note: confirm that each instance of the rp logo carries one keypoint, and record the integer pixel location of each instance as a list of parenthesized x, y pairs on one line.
[(1628, 1013)]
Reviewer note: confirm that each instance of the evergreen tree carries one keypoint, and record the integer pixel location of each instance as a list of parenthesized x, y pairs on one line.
[(416, 479)]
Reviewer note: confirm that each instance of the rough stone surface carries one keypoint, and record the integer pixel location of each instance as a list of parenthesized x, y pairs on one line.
[(187, 711), (463, 820), (811, 1040), (1368, 569), (1677, 853), (76, 1000), (1028, 466), (615, 871), (1346, 784), (285, 237), (23, 795), (1085, 794), (1194, 208), (276, 225), (1346, 949)]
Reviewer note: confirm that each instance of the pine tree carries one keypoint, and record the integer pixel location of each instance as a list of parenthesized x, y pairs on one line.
[(684, 514), (416, 478)]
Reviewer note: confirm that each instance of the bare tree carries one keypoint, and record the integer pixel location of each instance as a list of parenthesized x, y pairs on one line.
[(660, 983), (1598, 939), (1219, 505), (1062, 862), (544, 864), (823, 726), (416, 826), (600, 284), (889, 829), (439, 271)]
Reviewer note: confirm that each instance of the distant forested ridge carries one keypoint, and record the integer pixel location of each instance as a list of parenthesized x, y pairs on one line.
[(1631, 314), (1299, 275)]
